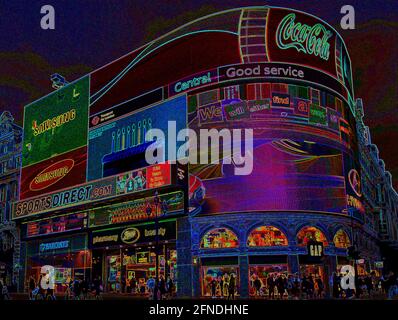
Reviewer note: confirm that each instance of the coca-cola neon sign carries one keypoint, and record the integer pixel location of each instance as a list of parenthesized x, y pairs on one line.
[(302, 37)]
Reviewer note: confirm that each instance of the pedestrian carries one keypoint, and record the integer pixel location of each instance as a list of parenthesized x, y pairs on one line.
[(257, 286), (128, 285), (213, 287), (133, 284), (336, 285), (271, 286), (97, 288), (369, 285), (319, 286), (392, 286), (41, 291), (170, 287), (281, 286), (231, 287), (162, 287), (151, 286), (76, 289), (31, 286), (84, 290), (4, 291)]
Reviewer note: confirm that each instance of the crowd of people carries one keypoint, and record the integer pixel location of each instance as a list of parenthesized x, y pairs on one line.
[(75, 289), (288, 286), (81, 289), (310, 286), (273, 286), (366, 286)]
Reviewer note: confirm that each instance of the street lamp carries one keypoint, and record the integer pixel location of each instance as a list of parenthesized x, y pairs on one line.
[(164, 207), (156, 200)]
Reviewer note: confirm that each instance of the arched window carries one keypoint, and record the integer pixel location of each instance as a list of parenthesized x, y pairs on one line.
[(266, 236), (310, 233), (219, 238), (341, 239)]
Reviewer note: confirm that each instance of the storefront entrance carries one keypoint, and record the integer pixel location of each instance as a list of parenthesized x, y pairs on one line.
[(259, 276), (125, 257), (216, 279), (128, 269), (69, 257)]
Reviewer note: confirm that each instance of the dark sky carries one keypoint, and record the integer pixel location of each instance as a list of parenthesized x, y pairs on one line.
[(91, 33)]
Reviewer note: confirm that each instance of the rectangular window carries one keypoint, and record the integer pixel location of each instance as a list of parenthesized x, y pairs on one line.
[(208, 97), (315, 99), (303, 92), (231, 93)]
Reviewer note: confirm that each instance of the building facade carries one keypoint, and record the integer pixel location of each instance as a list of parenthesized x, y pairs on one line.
[(92, 207), (10, 163)]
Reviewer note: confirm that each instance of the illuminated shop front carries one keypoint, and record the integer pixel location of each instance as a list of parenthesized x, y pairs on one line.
[(68, 255), (128, 254)]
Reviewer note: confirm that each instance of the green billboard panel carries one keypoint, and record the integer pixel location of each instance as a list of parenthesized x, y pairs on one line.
[(57, 123), (318, 115)]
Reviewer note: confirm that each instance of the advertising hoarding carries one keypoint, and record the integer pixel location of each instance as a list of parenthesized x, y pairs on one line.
[(124, 136), (138, 234), (136, 210), (65, 223), (297, 37), (62, 171), (56, 123), (156, 176)]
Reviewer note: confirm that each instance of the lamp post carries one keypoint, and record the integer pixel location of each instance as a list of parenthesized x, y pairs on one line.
[(164, 208), (156, 200)]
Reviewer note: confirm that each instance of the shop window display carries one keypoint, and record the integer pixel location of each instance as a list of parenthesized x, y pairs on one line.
[(260, 275), (341, 239), (67, 266), (219, 238), (310, 233), (266, 236), (219, 277)]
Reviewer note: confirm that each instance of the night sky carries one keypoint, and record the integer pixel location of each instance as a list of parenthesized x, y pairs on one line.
[(91, 33)]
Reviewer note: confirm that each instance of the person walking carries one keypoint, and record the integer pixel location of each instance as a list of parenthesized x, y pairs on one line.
[(162, 287), (271, 286), (4, 291), (257, 286), (231, 287), (319, 287), (31, 287), (133, 284), (170, 288), (336, 285), (213, 287), (97, 288)]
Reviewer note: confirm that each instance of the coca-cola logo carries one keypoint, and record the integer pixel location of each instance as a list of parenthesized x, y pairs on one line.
[(95, 120), (51, 174), (304, 38)]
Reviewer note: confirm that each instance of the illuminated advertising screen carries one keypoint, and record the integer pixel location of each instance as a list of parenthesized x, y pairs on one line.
[(142, 233), (76, 221), (287, 175), (53, 174), (116, 145), (298, 154), (352, 175), (300, 38), (54, 153), (56, 123), (139, 209), (156, 176)]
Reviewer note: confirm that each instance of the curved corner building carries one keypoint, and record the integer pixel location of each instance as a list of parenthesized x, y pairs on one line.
[(287, 76)]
